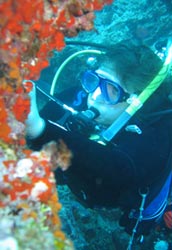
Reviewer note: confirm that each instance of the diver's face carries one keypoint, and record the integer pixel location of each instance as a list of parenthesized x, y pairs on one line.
[(109, 111)]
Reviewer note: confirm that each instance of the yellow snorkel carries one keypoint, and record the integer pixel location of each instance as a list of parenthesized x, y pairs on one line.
[(137, 102)]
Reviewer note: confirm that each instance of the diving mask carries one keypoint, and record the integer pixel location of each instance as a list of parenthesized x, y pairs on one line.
[(111, 91)]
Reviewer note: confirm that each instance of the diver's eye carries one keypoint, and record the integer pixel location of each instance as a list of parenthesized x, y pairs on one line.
[(112, 92)]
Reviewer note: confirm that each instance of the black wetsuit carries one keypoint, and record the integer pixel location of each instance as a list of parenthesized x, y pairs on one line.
[(112, 175)]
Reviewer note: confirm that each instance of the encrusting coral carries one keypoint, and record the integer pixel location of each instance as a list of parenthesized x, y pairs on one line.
[(30, 31)]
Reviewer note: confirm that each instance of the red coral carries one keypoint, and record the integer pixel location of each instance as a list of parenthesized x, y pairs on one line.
[(4, 127), (21, 108), (26, 26), (3, 113)]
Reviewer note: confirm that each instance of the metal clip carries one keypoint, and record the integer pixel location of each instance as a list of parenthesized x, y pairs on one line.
[(133, 128)]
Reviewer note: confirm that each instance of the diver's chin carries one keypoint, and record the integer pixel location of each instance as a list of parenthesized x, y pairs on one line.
[(102, 121)]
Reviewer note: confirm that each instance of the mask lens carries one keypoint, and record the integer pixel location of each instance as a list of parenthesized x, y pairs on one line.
[(113, 93), (90, 82)]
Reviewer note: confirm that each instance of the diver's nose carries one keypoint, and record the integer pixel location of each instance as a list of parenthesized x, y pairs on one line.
[(97, 95)]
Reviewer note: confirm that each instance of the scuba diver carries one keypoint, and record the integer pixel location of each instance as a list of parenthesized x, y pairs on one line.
[(117, 121)]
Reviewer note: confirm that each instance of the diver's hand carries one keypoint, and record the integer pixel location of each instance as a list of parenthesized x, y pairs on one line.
[(34, 123)]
